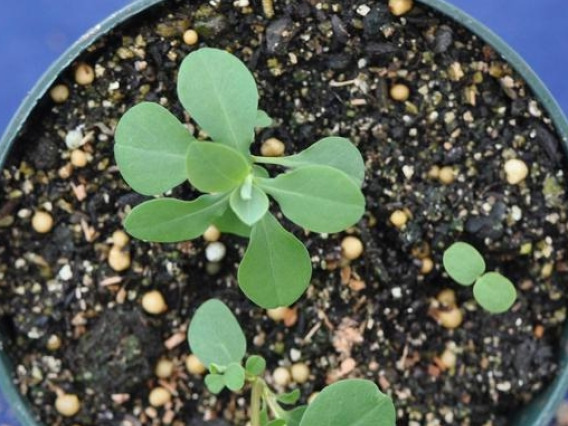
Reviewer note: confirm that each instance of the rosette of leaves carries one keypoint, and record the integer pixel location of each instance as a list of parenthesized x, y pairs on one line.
[(320, 190), (466, 266), (218, 341)]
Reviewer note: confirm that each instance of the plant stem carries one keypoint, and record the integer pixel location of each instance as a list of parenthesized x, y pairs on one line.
[(256, 395), (273, 404)]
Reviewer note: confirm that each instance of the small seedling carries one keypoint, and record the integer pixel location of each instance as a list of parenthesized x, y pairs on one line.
[(217, 339), (494, 292), (155, 152)]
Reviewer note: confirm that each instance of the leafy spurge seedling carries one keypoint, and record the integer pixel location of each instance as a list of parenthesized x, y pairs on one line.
[(217, 339), (321, 191), (494, 292)]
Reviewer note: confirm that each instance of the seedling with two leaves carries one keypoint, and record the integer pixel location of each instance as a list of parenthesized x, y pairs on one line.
[(494, 292), (155, 152), (218, 341)]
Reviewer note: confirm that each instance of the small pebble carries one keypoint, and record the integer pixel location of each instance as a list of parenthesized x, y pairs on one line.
[(400, 92), (451, 319), (447, 175), (516, 171), (59, 93), (84, 74), (53, 343), (281, 376), (276, 314), (164, 368), (447, 298), (449, 359), (300, 373), (120, 239), (118, 259), (400, 7), (194, 366), (67, 405), (78, 158), (190, 37), (427, 266), (159, 396), (399, 218), (272, 148), (212, 234), (215, 252), (351, 248), (153, 302), (42, 222)]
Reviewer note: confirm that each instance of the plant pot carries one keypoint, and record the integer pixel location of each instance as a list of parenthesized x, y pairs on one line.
[(538, 413)]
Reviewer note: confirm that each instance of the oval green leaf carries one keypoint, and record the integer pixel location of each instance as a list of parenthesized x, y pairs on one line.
[(221, 95), (215, 335), (333, 151), (215, 383), (229, 223), (495, 293), (318, 198), (255, 365), (350, 403), (289, 398), (463, 263), (252, 210), (234, 377), (262, 119), (276, 268), (150, 149), (212, 167), (167, 220), (294, 417)]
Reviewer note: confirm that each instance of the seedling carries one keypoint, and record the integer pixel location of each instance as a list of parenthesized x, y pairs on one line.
[(217, 339), (155, 152), (494, 292)]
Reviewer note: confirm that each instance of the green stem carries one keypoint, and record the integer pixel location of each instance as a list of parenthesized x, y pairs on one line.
[(273, 404), (256, 396)]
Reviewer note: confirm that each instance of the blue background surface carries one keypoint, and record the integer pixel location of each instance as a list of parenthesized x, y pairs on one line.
[(33, 33)]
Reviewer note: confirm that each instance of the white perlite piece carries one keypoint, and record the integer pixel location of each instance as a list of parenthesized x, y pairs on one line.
[(74, 139), (215, 252)]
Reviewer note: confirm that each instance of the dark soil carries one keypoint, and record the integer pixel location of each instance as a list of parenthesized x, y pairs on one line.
[(323, 68)]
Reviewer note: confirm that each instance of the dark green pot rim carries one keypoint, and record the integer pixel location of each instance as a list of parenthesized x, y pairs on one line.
[(539, 413)]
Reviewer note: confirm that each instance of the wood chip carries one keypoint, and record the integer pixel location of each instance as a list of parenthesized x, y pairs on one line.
[(175, 340), (88, 231), (120, 398), (79, 191), (110, 281)]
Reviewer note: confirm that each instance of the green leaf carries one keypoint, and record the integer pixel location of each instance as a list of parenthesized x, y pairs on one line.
[(167, 220), (229, 223), (318, 198), (289, 398), (260, 171), (215, 383), (234, 377), (215, 335), (276, 268), (255, 365), (277, 422), (252, 210), (212, 167), (296, 415), (150, 149), (221, 95), (264, 415), (335, 152), (463, 263), (350, 403), (262, 119), (495, 293)]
